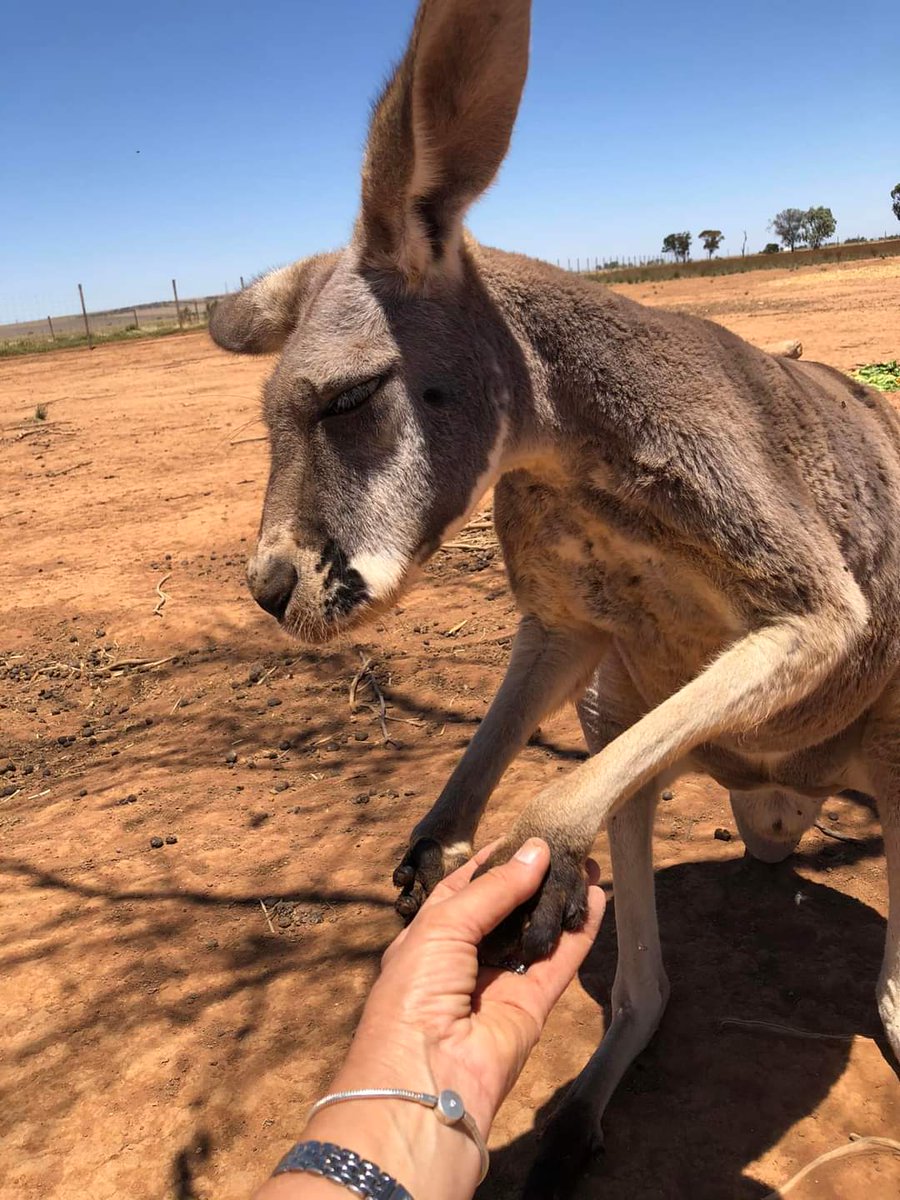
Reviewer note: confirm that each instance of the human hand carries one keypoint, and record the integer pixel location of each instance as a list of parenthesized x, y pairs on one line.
[(436, 1018)]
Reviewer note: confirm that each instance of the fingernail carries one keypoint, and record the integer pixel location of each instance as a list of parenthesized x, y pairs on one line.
[(529, 852)]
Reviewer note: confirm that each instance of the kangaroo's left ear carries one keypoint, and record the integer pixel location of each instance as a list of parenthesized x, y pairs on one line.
[(440, 132), (261, 317)]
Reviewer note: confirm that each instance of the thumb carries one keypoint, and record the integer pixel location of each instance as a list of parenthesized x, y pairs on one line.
[(482, 904)]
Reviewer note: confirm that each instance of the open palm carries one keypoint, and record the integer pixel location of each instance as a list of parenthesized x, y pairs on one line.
[(474, 1026)]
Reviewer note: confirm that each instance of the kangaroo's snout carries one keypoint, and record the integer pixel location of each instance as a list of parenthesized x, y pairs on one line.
[(314, 593), (272, 579)]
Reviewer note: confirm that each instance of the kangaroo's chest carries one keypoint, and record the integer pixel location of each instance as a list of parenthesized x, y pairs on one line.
[(571, 566)]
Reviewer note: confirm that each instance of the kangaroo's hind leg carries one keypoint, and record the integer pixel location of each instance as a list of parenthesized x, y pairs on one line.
[(881, 748), (641, 988)]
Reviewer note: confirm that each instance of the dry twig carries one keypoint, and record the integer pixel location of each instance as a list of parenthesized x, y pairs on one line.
[(365, 675), (132, 664), (240, 429), (163, 596), (66, 470), (785, 1030), (490, 547), (268, 918), (837, 835), (858, 1145)]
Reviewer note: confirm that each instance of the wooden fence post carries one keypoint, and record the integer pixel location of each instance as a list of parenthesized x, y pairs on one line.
[(177, 305), (87, 326), (52, 334)]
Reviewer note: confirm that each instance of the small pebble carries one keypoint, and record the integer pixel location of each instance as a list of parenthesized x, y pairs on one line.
[(362, 798), (231, 758), (284, 745), (88, 731), (722, 835), (99, 633), (667, 795), (360, 737), (171, 839), (273, 701), (83, 793), (8, 791), (148, 721), (281, 787), (156, 843)]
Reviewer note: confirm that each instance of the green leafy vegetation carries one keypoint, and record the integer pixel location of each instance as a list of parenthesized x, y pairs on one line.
[(678, 245), (712, 239), (738, 264), (884, 375)]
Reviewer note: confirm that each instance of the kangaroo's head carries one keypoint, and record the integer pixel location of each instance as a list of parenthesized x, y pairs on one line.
[(386, 407)]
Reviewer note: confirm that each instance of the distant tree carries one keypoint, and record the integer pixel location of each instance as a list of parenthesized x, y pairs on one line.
[(712, 239), (678, 245), (818, 226), (895, 201), (788, 224), (771, 248)]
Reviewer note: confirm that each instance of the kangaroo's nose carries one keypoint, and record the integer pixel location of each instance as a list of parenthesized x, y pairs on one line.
[(272, 581)]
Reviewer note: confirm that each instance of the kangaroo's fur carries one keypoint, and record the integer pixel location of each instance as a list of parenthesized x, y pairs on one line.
[(703, 538)]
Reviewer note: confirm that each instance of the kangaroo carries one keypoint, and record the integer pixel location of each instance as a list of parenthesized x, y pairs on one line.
[(703, 539)]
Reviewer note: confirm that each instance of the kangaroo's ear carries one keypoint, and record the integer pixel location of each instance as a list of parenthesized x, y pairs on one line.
[(260, 318), (440, 131)]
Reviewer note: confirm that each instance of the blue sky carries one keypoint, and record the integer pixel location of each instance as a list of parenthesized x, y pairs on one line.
[(250, 119)]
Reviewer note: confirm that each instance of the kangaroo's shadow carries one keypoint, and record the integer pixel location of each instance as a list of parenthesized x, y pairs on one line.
[(740, 940)]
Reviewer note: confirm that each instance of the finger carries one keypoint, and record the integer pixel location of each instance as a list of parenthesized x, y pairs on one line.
[(482, 904), (458, 879)]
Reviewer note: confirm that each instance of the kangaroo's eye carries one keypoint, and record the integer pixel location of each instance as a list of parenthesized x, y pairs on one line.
[(353, 397)]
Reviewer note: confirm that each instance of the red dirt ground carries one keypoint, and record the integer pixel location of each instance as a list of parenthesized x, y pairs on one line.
[(159, 1038)]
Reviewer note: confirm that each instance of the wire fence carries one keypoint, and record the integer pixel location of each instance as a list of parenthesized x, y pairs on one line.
[(137, 320), (90, 326)]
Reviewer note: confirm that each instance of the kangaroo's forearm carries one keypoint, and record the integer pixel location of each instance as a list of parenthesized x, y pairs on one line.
[(547, 668), (764, 673)]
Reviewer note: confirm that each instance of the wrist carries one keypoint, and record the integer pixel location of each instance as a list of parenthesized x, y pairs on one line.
[(405, 1139)]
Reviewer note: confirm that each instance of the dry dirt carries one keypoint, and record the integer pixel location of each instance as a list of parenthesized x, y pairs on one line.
[(161, 1033)]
